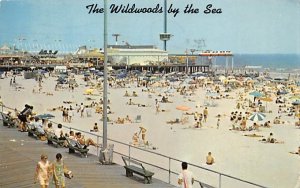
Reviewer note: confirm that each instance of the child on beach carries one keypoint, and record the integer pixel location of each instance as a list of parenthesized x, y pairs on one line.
[(218, 123), (209, 159), (135, 139), (95, 128)]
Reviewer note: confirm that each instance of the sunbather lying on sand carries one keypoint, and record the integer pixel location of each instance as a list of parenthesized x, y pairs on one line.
[(271, 139), (253, 135), (297, 152), (173, 121)]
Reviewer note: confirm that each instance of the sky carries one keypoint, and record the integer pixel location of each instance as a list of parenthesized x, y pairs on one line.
[(244, 26)]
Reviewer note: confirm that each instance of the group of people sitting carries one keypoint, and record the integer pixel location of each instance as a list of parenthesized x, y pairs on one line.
[(134, 94), (79, 139), (120, 120), (42, 129)]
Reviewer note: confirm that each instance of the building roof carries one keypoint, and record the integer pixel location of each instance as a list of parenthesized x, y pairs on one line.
[(128, 46)]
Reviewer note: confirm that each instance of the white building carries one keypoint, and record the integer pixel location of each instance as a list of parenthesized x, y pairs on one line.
[(136, 55)]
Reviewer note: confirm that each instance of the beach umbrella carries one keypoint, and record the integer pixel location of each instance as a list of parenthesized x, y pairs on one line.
[(256, 94), (296, 102), (257, 116), (45, 116), (89, 91), (183, 108), (266, 99)]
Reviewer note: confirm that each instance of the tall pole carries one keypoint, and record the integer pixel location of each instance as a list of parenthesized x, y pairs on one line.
[(187, 62), (105, 79), (165, 24)]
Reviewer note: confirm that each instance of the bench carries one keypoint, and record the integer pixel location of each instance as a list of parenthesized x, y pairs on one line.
[(7, 121), (135, 167), (32, 132), (52, 139), (73, 146), (204, 185)]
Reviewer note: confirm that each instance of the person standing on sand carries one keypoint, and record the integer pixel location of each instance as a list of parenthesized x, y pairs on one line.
[(218, 123), (143, 131), (186, 177), (205, 114), (81, 110), (43, 172), (157, 106)]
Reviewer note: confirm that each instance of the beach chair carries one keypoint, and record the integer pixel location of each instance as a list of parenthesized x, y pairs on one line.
[(138, 119), (73, 146), (52, 139)]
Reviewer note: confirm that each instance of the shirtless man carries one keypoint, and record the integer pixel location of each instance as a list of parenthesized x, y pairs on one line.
[(143, 131), (135, 139), (209, 159)]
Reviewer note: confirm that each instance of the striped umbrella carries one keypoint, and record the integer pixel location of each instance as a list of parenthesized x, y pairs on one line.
[(257, 116)]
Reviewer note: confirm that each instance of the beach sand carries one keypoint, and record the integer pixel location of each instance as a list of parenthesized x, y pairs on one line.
[(244, 157)]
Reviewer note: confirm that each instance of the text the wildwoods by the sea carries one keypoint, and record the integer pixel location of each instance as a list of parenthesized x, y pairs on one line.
[(157, 9)]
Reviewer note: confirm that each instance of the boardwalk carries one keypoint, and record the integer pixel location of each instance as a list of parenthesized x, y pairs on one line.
[(20, 153)]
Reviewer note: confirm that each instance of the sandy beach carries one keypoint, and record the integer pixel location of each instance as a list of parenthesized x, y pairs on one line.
[(237, 155)]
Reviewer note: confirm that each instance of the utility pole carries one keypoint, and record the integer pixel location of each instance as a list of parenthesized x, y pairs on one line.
[(103, 150)]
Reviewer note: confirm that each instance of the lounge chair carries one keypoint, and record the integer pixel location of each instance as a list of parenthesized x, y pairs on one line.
[(138, 119)]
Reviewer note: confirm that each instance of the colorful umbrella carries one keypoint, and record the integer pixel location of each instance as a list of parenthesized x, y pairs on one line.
[(267, 99), (45, 116), (257, 116), (256, 94), (89, 91), (297, 102)]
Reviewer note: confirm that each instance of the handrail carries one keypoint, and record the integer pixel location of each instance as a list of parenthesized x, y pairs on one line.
[(158, 154)]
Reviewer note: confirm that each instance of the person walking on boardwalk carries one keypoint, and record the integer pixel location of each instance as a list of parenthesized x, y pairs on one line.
[(186, 177), (59, 170), (43, 172)]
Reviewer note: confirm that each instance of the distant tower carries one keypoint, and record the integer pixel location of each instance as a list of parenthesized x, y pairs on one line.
[(192, 51), (165, 36), (116, 37)]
